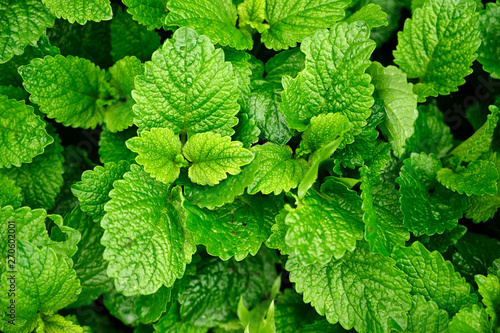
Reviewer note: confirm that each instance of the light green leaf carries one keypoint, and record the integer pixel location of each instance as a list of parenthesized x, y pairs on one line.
[(489, 28), (277, 170), (292, 21), (10, 193), (439, 43), (400, 104), (471, 320), (434, 278), (334, 79), (489, 288), (93, 190), (233, 230), (22, 22), (361, 290), (215, 19), (129, 38), (80, 11), (66, 89), (159, 152), (119, 115), (479, 143), (251, 15), (290, 63), (383, 218), (247, 131), (201, 94), (428, 207), (213, 156), (55, 323), (151, 13), (242, 69), (146, 242), (40, 180), (44, 283), (279, 230), (23, 133), (112, 146), (477, 178), (325, 224), (426, 317), (372, 14)]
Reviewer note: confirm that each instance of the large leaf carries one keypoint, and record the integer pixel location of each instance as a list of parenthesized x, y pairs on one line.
[(81, 11), (151, 13)]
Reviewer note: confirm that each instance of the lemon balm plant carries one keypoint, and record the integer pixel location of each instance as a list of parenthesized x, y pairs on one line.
[(263, 166)]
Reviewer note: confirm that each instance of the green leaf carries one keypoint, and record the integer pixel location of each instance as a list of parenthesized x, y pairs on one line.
[(172, 322), (23, 133), (251, 15), (471, 320), (292, 21), (149, 308), (361, 290), (154, 247), (325, 224), (12, 92), (441, 242), (372, 14), (479, 143), (10, 193), (80, 11), (400, 104), (40, 180), (286, 63), (428, 207), (215, 19), (489, 288), (151, 13), (426, 317), (112, 146), (43, 283), (279, 230), (382, 213), (202, 94), (119, 115), (233, 230), (129, 38), (159, 152), (277, 170), (334, 79), (213, 156), (93, 190), (439, 43), (477, 178), (66, 89), (22, 22), (489, 28), (121, 307), (55, 323), (434, 278)]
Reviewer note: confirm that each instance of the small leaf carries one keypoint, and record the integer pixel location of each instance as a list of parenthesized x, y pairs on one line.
[(489, 28), (81, 11), (477, 178), (469, 320)]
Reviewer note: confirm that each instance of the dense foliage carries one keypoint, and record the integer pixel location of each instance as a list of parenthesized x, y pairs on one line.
[(249, 166)]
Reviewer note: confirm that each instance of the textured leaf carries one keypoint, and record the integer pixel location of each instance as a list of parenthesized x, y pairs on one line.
[(151, 13), (278, 171), (334, 79), (434, 278), (80, 11), (361, 290), (66, 89), (43, 283), (112, 146), (489, 28), (12, 92), (279, 230), (382, 213), (292, 21), (146, 243), (233, 230), (149, 308), (213, 156), (426, 317), (428, 207), (10, 193), (400, 104), (489, 288), (55, 323), (215, 19), (40, 180), (129, 38), (93, 190), (439, 43), (478, 178), (201, 94), (159, 152), (372, 14), (251, 15), (325, 224), (172, 322), (119, 115), (22, 22), (322, 130), (441, 242), (471, 320), (23, 133), (479, 143), (289, 62)]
